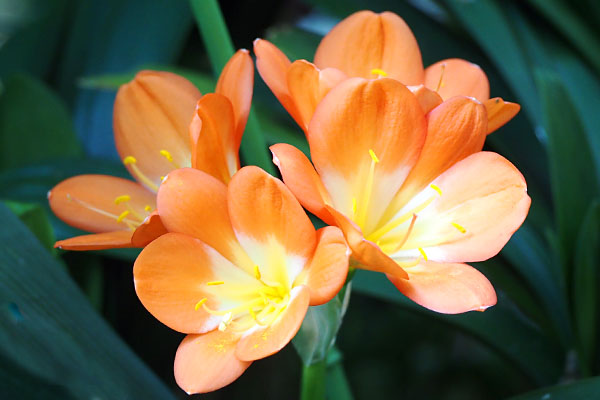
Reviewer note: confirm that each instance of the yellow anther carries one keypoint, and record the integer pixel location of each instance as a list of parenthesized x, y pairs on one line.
[(214, 283), (436, 188), (423, 253), (199, 304), (166, 155), (257, 274), (148, 208), (162, 178), (377, 71), (460, 228), (122, 199), (129, 160), (122, 216), (373, 156), (354, 205)]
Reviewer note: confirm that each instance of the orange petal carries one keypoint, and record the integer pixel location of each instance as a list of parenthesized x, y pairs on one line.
[(97, 241), (447, 288), (171, 276), (456, 77), (207, 362), (261, 342), (328, 269), (484, 201), (236, 83), (212, 133), (262, 208), (88, 202), (301, 178), (426, 97), (150, 229), (499, 112), (456, 129), (272, 66), (308, 85), (367, 253), (152, 113), (357, 121), (194, 203), (366, 41)]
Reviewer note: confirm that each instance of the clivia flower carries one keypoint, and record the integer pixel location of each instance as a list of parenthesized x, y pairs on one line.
[(237, 271), (161, 123), (414, 194), (372, 46)]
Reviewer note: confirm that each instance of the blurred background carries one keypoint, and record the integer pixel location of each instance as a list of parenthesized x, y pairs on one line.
[(71, 326)]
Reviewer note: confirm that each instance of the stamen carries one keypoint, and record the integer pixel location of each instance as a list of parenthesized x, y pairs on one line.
[(423, 253), (122, 199), (214, 283), (199, 304), (373, 156), (377, 71), (138, 174), (400, 220), (459, 227), (131, 225), (122, 216), (353, 205), (257, 274), (436, 188), (440, 83), (148, 208), (169, 157), (408, 232)]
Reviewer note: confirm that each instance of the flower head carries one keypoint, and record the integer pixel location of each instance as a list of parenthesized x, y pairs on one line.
[(236, 272), (414, 194), (373, 46), (158, 118)]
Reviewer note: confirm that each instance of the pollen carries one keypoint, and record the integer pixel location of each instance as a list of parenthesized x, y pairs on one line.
[(436, 188), (377, 71), (122, 216), (166, 155), (423, 253), (122, 199), (129, 160), (373, 156), (460, 228), (199, 304), (214, 283), (257, 274)]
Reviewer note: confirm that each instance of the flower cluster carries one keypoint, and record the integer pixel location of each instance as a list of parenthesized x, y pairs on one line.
[(231, 259)]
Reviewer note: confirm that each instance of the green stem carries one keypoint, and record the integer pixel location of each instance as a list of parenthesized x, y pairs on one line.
[(313, 381), (220, 49)]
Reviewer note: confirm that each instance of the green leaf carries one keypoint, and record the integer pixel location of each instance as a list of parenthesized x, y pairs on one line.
[(49, 330), (585, 281), (502, 327), (36, 219), (319, 329), (35, 125), (572, 27), (30, 31), (582, 389), (573, 176)]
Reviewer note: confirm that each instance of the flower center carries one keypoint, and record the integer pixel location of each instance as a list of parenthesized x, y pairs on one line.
[(262, 306)]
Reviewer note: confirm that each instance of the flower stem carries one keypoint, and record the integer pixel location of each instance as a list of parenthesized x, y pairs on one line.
[(313, 381), (220, 48)]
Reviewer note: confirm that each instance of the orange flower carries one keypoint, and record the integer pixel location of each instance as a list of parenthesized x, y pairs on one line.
[(414, 194), (236, 272), (371, 46), (152, 116)]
